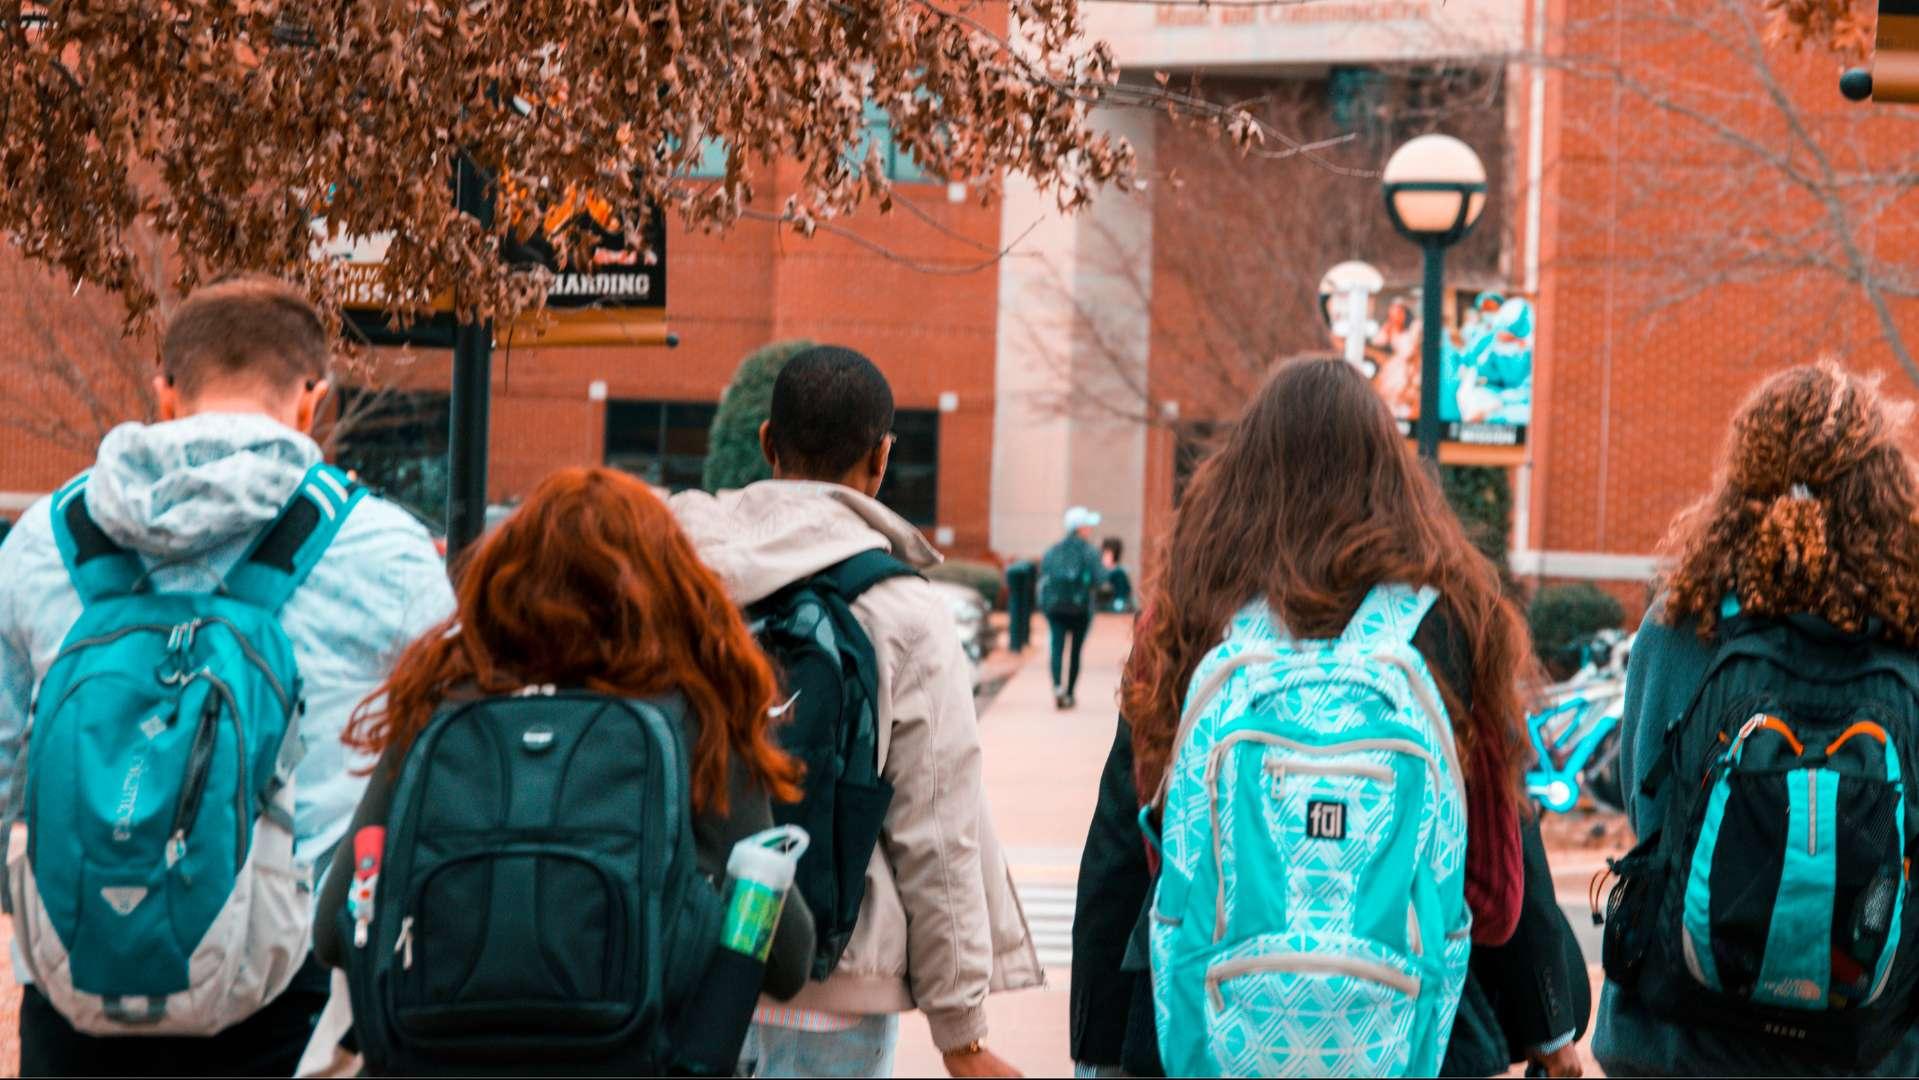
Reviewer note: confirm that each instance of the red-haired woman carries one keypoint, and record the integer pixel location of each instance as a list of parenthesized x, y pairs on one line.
[(592, 585)]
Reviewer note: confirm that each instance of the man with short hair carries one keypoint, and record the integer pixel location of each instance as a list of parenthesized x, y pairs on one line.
[(243, 373), (939, 926)]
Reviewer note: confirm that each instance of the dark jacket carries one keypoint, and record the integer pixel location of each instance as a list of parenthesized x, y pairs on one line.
[(1528, 992), (1114, 885), (1112, 1020), (1668, 664), (714, 835)]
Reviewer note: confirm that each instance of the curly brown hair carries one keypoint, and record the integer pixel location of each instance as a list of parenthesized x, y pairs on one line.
[(1815, 510)]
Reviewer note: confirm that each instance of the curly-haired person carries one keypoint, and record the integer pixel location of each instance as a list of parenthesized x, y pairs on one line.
[(1772, 707)]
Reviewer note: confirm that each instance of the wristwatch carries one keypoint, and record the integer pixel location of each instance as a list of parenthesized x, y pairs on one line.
[(968, 1050)]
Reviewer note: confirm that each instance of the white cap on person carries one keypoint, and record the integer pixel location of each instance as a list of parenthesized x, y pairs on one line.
[(1079, 517)]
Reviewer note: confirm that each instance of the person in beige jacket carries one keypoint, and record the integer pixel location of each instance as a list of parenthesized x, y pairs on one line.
[(940, 926)]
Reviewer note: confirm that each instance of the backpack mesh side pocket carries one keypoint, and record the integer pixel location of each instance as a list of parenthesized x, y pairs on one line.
[(1632, 901)]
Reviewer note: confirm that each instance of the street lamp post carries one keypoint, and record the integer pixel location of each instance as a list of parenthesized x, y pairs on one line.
[(1352, 284), (469, 402), (1435, 188)]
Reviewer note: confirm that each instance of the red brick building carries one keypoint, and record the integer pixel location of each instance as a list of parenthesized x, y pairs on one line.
[(898, 288), (1710, 211)]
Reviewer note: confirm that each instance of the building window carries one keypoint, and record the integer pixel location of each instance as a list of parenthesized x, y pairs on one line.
[(1357, 98), (712, 163), (912, 480), (895, 160), (661, 442), (396, 443)]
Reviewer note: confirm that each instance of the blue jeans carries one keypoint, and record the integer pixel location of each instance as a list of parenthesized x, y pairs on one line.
[(1067, 636), (864, 1050)]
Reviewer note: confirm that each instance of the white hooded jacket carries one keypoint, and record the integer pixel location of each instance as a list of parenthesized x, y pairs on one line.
[(941, 924)]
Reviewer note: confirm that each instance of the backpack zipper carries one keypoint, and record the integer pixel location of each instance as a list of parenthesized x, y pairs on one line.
[(1812, 811), (403, 945), (253, 657), (1369, 770), (175, 633), (1308, 964), (199, 762), (1210, 780)]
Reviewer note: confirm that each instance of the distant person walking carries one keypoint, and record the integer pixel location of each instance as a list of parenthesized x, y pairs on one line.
[(1325, 701), (1765, 924), (1068, 574), (938, 925)]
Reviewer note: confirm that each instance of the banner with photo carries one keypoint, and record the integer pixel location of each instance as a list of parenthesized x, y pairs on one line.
[(1485, 370)]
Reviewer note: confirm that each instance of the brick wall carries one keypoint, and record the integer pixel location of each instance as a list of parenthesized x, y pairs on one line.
[(929, 326), (1650, 185)]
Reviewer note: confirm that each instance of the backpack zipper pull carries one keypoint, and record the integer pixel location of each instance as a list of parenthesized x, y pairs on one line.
[(404, 946)]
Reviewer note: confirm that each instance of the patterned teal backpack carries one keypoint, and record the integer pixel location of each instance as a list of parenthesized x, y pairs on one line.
[(1310, 916), (158, 893)]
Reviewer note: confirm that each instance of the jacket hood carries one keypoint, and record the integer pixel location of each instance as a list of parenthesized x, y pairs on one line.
[(763, 537), (180, 489)]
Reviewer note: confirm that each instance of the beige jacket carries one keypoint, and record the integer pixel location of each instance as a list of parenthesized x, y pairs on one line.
[(941, 925)]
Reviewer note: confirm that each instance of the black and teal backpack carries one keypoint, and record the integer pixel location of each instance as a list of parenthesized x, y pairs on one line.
[(830, 675), (1773, 901)]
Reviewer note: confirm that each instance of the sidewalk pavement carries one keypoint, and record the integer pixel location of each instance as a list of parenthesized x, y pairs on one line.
[(1041, 771)]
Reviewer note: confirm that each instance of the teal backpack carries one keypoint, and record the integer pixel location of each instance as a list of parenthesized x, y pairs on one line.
[(1310, 915), (158, 893)]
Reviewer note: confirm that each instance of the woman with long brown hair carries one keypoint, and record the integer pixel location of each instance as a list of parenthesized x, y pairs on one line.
[(1786, 622), (1312, 506), (591, 585)]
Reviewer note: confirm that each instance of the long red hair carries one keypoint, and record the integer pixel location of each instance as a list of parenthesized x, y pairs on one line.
[(592, 584)]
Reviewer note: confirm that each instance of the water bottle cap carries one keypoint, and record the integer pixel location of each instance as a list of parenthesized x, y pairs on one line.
[(771, 858)]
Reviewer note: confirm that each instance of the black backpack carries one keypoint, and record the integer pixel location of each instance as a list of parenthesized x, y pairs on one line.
[(539, 906), (1772, 902), (1067, 573), (831, 677)]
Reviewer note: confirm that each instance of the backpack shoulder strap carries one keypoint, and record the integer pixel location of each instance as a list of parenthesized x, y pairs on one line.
[(99, 567), (853, 577), (289, 549), (1390, 614)]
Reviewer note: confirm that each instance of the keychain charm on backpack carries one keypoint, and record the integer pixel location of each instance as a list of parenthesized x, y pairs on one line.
[(368, 843)]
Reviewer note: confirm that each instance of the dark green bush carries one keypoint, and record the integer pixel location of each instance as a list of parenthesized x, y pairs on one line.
[(983, 577), (1483, 499), (1563, 614), (733, 458)]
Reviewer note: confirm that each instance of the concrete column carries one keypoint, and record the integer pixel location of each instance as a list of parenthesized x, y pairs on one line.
[(1073, 342)]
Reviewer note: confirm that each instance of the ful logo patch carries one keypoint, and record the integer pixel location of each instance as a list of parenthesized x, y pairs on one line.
[(1325, 820)]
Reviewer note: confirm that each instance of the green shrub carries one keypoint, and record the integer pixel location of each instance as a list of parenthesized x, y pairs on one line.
[(1563, 614), (983, 577), (733, 458), (1483, 499)]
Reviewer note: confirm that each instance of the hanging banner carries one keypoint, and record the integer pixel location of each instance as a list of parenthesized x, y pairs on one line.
[(617, 298), (1486, 373)]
